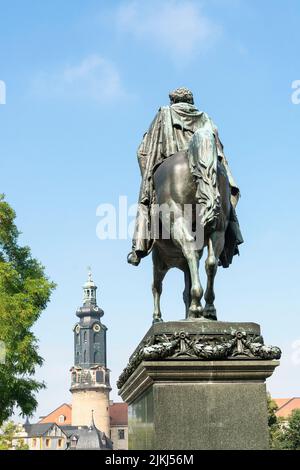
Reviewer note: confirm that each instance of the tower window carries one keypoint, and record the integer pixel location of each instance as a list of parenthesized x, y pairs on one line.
[(84, 357), (97, 357), (121, 434), (99, 376), (85, 337), (96, 337)]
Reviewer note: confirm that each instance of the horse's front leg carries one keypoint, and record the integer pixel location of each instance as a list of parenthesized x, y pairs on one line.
[(187, 290), (159, 272)]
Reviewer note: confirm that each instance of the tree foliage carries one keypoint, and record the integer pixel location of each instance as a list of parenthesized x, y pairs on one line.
[(9, 439), (289, 437), (284, 433), (272, 408), (24, 294), (273, 422)]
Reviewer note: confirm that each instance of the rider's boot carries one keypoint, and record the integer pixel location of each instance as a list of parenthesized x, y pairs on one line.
[(133, 258)]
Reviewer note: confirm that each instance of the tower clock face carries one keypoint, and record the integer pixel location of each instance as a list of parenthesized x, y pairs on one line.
[(96, 327), (77, 329)]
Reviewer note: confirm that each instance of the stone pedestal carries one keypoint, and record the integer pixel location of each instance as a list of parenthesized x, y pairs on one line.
[(199, 385)]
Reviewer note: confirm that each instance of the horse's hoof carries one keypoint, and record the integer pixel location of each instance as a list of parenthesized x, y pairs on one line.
[(157, 320), (210, 312), (199, 311), (193, 313)]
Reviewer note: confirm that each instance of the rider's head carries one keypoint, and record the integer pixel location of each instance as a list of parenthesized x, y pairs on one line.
[(181, 95)]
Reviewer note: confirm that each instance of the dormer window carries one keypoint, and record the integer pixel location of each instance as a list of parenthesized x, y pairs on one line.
[(74, 442)]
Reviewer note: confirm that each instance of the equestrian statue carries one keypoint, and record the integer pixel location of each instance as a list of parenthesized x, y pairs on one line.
[(187, 203)]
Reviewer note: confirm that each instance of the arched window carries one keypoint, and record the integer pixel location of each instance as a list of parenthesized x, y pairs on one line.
[(77, 357), (84, 357), (97, 357), (85, 337), (96, 337), (99, 376)]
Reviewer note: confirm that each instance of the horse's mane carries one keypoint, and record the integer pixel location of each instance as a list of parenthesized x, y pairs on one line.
[(203, 161)]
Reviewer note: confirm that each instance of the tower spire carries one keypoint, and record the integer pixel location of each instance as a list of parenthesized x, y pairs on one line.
[(92, 425)]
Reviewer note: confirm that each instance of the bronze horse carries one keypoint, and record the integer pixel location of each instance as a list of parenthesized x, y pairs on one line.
[(175, 186)]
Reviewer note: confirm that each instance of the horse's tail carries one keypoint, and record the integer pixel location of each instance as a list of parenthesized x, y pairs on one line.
[(203, 161)]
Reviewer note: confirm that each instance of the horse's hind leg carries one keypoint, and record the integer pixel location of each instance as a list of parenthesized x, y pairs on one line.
[(192, 255), (159, 272), (215, 247)]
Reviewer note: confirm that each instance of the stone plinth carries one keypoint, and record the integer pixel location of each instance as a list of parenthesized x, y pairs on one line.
[(199, 385)]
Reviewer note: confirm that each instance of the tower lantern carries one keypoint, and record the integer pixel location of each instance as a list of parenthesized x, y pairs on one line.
[(89, 291)]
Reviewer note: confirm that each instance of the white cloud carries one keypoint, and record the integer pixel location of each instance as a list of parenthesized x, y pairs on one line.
[(94, 78), (178, 27)]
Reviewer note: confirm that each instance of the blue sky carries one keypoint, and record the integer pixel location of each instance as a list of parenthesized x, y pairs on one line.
[(84, 80)]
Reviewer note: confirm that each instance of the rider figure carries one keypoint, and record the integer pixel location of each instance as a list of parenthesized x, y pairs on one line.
[(171, 132)]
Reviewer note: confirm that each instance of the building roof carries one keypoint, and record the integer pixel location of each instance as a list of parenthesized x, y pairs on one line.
[(118, 414), (90, 438), (86, 438), (53, 417), (286, 406), (281, 401), (70, 430), (39, 429)]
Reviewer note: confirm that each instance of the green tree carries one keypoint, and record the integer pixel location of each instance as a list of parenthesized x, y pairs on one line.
[(273, 422), (290, 438), (9, 439), (24, 294), (272, 408)]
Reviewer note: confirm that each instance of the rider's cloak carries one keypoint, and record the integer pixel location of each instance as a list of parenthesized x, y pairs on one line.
[(171, 131)]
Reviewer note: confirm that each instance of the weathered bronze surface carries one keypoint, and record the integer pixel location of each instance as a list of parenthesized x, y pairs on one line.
[(183, 165)]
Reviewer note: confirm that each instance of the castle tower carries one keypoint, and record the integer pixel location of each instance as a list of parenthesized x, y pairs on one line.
[(90, 385)]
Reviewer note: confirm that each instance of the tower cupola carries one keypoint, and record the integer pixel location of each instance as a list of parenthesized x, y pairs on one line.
[(89, 291)]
